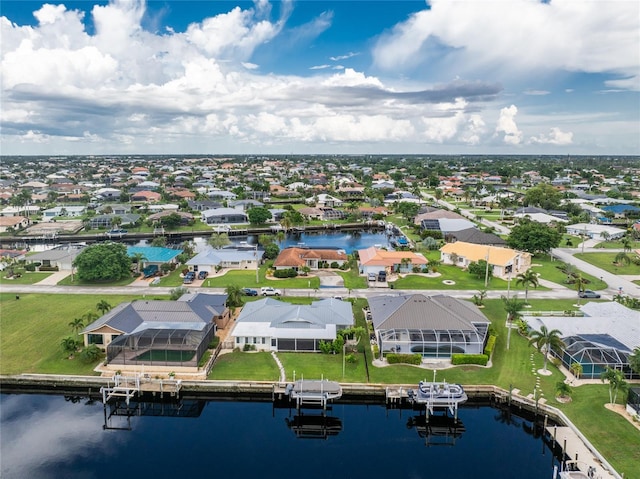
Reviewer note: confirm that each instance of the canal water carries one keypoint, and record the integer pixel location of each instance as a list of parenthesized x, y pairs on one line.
[(50, 436)]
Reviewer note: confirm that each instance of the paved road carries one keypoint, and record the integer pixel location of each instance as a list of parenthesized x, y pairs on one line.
[(614, 282)]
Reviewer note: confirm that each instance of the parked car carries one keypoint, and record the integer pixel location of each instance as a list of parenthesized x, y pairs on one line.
[(189, 277), (203, 274), (269, 291), (372, 276), (249, 292), (382, 276), (587, 293)]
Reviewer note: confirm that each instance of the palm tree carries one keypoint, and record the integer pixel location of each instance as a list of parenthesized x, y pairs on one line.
[(580, 282), (138, 258), (621, 259), (605, 235), (528, 278), (234, 295), (576, 369), (513, 307), (103, 306), (69, 345), (546, 340), (90, 317), (616, 383), (563, 390), (626, 244), (77, 324)]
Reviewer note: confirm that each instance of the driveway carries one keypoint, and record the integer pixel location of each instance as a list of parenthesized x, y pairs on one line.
[(53, 279), (329, 279)]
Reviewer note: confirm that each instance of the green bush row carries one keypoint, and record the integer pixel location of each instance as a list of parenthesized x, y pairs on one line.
[(285, 273), (393, 358), (481, 359), (491, 342)]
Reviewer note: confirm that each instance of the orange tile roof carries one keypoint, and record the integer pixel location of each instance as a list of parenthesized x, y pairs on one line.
[(296, 257), (379, 257)]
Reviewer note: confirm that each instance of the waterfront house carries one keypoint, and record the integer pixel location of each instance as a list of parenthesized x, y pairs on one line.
[(224, 216), (66, 211), (603, 336), (372, 260), (106, 221), (56, 259), (298, 258), (502, 261), (475, 236), (13, 223), (159, 333), (433, 326), (154, 255), (231, 258), (272, 325)]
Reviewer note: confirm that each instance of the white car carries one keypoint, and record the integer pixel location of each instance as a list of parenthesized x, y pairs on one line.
[(269, 291)]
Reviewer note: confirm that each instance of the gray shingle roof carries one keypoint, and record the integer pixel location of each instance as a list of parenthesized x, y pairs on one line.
[(417, 311)]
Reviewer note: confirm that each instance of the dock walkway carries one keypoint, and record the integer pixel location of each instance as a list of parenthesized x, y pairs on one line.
[(578, 452)]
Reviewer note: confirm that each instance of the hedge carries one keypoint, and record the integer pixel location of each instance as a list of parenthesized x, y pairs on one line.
[(393, 358), (491, 342), (480, 359), (285, 273)]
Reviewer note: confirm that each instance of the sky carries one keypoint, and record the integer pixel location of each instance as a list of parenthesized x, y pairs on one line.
[(320, 77)]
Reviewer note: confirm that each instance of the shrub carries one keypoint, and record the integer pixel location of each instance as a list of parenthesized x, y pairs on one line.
[(376, 350), (249, 347), (393, 358), (285, 273), (214, 342), (30, 267), (335, 265), (491, 343), (351, 358), (480, 359)]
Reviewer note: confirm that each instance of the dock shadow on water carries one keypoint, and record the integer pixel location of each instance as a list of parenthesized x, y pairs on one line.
[(76, 436)]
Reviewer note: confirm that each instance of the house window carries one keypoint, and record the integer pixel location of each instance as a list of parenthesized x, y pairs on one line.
[(95, 338), (264, 340), (238, 340)]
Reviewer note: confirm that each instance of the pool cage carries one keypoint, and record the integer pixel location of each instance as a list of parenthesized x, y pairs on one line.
[(161, 347), (633, 399), (595, 353), (432, 343)]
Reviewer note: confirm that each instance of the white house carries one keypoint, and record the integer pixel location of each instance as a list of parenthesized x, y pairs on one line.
[(595, 231), (69, 211)]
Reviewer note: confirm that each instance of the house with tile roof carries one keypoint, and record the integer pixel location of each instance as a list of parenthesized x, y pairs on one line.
[(159, 333), (503, 261), (432, 326), (297, 258), (231, 258), (272, 325), (13, 222), (374, 260)]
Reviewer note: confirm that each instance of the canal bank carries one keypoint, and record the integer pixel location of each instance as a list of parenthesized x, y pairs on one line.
[(558, 427)]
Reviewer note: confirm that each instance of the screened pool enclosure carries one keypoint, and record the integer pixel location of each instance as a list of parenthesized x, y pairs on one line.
[(161, 347), (595, 353), (431, 343)]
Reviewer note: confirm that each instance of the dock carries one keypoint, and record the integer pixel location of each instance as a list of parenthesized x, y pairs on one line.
[(128, 387), (433, 395), (583, 461), (314, 392)]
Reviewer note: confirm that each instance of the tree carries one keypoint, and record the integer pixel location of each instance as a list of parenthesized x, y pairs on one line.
[(90, 354), (479, 269), (616, 382), (271, 251), (579, 282), (219, 240), (563, 390), (159, 241), (621, 259), (103, 262), (513, 307), (546, 340), (69, 345), (576, 369), (528, 278), (408, 210), (138, 258), (533, 237), (544, 196), (634, 360), (176, 293), (171, 221), (626, 244), (258, 215), (234, 296), (103, 307)]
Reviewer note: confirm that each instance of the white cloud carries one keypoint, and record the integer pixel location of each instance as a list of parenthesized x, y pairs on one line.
[(520, 36), (343, 57), (536, 92), (320, 67), (555, 137), (507, 125)]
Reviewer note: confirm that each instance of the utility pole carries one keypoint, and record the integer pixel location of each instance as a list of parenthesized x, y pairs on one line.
[(486, 273)]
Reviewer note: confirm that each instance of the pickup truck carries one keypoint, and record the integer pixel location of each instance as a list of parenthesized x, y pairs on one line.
[(269, 291)]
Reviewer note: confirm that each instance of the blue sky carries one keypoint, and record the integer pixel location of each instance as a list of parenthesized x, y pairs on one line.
[(224, 77)]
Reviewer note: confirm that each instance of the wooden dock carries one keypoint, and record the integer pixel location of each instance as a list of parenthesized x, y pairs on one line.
[(578, 452), (128, 387)]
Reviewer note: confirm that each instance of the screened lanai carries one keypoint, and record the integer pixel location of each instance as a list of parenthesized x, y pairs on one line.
[(433, 326), (595, 353), (161, 347)]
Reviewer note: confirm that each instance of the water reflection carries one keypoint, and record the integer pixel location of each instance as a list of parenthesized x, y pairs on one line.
[(314, 426), (437, 430)]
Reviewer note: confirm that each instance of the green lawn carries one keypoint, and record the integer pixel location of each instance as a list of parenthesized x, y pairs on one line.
[(255, 366), (550, 271), (27, 277), (352, 280), (605, 262), (33, 326), (617, 245)]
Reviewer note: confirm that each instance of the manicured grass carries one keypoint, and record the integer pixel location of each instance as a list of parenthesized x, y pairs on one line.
[(352, 280), (616, 439), (617, 245), (33, 327), (605, 262), (68, 281), (255, 366), (27, 277), (550, 271)]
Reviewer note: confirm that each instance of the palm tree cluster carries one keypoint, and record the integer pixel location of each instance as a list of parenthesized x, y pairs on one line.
[(545, 341)]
